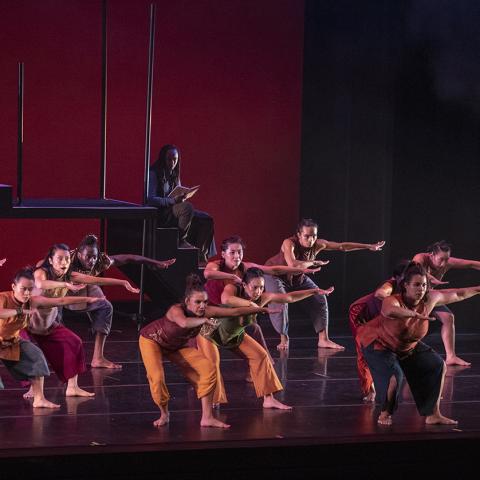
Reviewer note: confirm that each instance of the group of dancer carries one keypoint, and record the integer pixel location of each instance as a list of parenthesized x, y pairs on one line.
[(220, 312)]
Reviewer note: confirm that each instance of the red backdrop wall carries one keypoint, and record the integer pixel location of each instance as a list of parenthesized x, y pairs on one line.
[(227, 91)]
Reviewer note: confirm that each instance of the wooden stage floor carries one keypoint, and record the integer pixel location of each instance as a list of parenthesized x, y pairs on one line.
[(329, 428)]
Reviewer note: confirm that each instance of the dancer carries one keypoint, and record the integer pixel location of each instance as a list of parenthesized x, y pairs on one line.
[(195, 227), (437, 262), (24, 360), (87, 259), (53, 279), (392, 346), (169, 337), (230, 270), (362, 311), (231, 334), (301, 250)]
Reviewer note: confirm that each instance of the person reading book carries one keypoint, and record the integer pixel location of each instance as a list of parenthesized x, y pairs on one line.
[(165, 191)]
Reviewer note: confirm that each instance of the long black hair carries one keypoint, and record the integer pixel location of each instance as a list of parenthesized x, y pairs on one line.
[(412, 269), (47, 266), (159, 166), (193, 283)]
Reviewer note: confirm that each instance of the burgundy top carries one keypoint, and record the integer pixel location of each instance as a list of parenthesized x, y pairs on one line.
[(400, 335), (168, 334), (301, 253), (214, 287), (372, 306)]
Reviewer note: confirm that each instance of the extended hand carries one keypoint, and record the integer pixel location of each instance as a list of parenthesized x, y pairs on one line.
[(130, 288), (375, 247), (311, 270), (75, 287), (166, 263), (435, 281), (328, 291), (320, 263)]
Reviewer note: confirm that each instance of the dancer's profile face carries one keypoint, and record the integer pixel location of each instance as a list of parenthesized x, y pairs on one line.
[(307, 236), (88, 257), (416, 288), (233, 255), (197, 303), (171, 159), (60, 261), (22, 290), (439, 259), (254, 288)]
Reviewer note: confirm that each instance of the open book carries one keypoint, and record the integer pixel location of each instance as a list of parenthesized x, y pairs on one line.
[(180, 190)]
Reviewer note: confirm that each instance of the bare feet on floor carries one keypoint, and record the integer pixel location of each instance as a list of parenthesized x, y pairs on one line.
[(270, 401), (370, 397), (284, 343), (104, 363), (329, 344), (163, 420), (439, 419), (456, 361), (385, 419), (44, 403), (78, 392), (213, 422), (28, 394)]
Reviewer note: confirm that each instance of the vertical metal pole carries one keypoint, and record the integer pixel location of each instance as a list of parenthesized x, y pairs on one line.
[(103, 123), (103, 129), (148, 131), (21, 77)]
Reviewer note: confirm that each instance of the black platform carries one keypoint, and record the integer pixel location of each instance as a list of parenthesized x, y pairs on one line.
[(329, 432)]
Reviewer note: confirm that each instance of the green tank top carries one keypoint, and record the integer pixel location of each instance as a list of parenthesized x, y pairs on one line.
[(231, 331)]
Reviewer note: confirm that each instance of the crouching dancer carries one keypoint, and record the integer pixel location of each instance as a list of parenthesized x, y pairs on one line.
[(23, 359), (169, 336), (392, 346)]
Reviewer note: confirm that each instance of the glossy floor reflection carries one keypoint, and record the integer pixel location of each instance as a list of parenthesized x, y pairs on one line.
[(320, 384)]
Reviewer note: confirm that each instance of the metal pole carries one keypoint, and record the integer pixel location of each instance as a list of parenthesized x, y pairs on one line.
[(148, 132), (21, 77), (103, 130)]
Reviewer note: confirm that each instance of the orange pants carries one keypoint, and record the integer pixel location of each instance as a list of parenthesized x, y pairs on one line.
[(194, 366), (364, 374), (264, 378)]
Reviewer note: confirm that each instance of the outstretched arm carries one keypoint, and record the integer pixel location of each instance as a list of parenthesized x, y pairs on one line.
[(90, 280), (212, 311), (123, 259), (462, 263), (212, 272), (293, 297), (229, 297), (175, 314), (391, 308), (40, 301), (286, 269), (452, 295), (42, 283), (350, 246), (288, 250)]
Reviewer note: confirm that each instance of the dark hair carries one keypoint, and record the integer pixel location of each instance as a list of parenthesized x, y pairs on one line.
[(306, 222), (89, 240), (252, 273), (441, 246), (193, 283), (413, 268), (46, 265), (233, 239), (25, 272), (159, 166)]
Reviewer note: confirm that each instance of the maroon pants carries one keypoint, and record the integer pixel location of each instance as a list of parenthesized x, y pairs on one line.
[(63, 351)]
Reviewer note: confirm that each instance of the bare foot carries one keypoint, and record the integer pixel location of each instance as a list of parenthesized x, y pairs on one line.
[(78, 392), (439, 419), (270, 401), (329, 344), (370, 397), (44, 403), (104, 363), (215, 406), (456, 361), (385, 419), (213, 422), (163, 420), (283, 345), (28, 394)]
